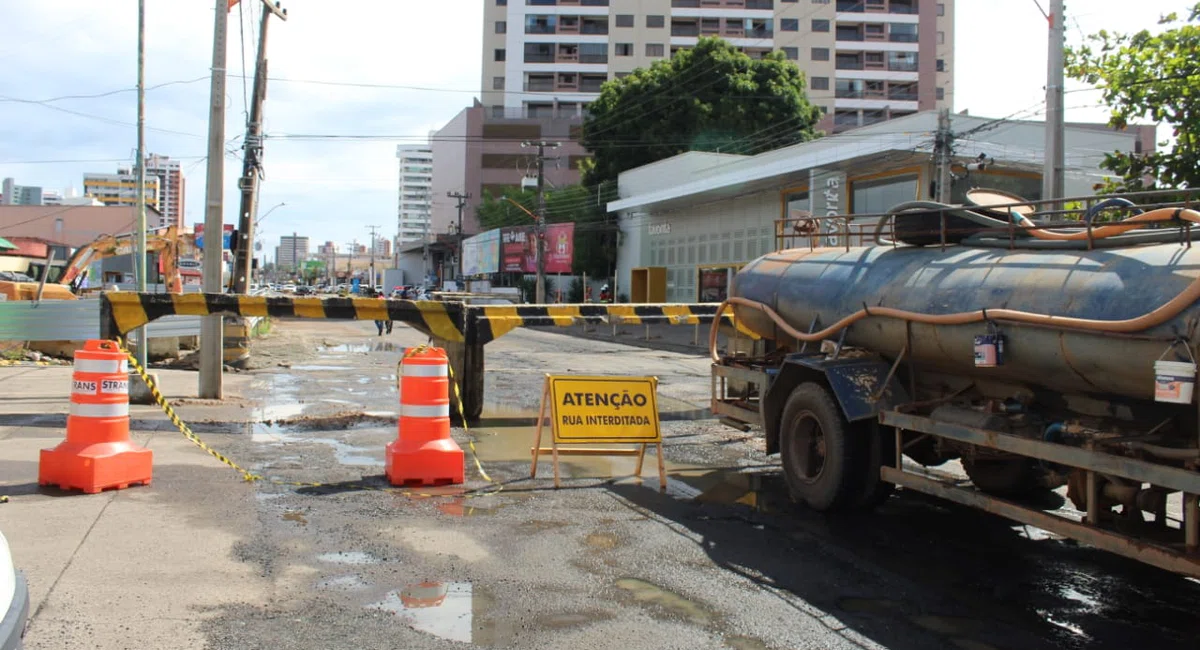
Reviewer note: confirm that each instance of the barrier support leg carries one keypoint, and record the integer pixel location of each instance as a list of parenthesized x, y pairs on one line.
[(466, 360)]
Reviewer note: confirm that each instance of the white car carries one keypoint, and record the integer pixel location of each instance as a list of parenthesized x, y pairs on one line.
[(14, 601)]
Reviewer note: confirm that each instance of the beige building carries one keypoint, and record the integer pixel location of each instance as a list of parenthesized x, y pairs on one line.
[(866, 60), (120, 190)]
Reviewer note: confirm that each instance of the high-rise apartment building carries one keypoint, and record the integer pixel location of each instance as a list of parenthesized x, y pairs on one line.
[(13, 194), (120, 189), (170, 187), (291, 249), (865, 60), (416, 199)]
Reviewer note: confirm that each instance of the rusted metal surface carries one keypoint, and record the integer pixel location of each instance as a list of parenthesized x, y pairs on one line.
[(737, 409), (1130, 468), (1140, 550), (831, 284)]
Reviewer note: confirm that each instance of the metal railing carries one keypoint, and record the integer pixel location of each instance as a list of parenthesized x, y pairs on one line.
[(856, 230)]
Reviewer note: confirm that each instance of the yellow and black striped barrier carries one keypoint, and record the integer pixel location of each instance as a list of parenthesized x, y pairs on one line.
[(121, 311), (490, 322)]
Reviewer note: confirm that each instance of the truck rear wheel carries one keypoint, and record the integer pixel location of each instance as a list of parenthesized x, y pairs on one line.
[(822, 459)]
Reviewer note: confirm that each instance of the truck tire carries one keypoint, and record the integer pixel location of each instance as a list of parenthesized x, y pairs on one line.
[(881, 451), (822, 460)]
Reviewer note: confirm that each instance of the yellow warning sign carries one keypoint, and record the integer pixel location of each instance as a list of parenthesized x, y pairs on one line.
[(599, 410), (591, 409)]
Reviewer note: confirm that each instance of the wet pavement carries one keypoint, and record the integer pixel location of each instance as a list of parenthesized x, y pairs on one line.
[(720, 560)]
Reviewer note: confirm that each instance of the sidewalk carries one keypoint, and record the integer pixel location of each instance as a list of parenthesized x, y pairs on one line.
[(684, 339), (85, 555)]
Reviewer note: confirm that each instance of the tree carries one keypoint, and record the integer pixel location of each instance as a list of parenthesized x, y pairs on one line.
[(1155, 77), (595, 232), (709, 98)]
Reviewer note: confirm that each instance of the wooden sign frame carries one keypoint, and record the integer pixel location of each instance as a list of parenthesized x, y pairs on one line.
[(554, 452)]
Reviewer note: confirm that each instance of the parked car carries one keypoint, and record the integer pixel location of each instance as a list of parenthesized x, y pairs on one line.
[(14, 600)]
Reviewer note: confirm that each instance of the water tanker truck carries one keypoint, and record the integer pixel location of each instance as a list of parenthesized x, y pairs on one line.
[(1037, 347)]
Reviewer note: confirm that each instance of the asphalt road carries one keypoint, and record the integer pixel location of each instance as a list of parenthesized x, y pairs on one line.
[(720, 560)]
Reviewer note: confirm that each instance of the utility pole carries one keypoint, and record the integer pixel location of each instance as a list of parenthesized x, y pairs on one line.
[(252, 161), (540, 254), (143, 346), (1053, 170), (211, 344), (943, 147), (461, 197), (373, 229), (425, 243)]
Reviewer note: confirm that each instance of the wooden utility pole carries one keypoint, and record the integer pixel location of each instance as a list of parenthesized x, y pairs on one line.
[(540, 254), (943, 149), (252, 161), (211, 344)]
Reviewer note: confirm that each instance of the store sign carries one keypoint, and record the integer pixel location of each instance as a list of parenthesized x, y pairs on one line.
[(827, 193), (659, 228)]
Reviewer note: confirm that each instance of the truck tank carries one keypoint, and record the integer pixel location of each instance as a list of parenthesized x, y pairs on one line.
[(1117, 284)]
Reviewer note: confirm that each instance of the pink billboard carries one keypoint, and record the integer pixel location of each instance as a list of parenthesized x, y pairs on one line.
[(518, 245)]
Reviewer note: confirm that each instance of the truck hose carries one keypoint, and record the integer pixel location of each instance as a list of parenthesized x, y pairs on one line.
[(1158, 236), (1031, 229), (1123, 226), (1160, 315)]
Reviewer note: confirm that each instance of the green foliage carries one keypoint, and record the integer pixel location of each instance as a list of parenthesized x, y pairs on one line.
[(528, 288), (1153, 77), (595, 232), (575, 291), (709, 98)]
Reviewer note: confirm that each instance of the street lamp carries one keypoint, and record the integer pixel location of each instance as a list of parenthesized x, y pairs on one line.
[(273, 208)]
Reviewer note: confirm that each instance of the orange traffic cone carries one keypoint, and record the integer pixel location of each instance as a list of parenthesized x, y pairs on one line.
[(424, 453), (97, 454)]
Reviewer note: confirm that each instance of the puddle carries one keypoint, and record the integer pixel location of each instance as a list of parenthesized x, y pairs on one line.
[(765, 493), (946, 625), (879, 606), (746, 643), (369, 346), (602, 541), (296, 516), (1065, 625), (321, 367), (677, 606), (355, 558), (443, 609), (345, 453), (279, 411), (346, 583)]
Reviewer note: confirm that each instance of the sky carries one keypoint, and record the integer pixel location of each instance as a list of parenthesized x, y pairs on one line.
[(388, 72)]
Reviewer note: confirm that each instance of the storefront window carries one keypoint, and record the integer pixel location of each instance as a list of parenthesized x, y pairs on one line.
[(1026, 187), (714, 283), (880, 195)]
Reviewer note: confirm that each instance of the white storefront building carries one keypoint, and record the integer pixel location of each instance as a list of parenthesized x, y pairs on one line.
[(688, 222)]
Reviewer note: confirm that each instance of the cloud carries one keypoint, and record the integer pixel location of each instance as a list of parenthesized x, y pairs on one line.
[(333, 188)]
